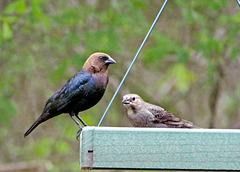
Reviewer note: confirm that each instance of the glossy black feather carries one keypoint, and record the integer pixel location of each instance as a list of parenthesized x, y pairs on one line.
[(81, 92), (78, 94), (75, 95)]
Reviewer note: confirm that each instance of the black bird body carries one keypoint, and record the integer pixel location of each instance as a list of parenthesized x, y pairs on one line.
[(81, 92)]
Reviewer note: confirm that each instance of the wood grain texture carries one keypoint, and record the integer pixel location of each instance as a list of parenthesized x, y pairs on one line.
[(159, 148)]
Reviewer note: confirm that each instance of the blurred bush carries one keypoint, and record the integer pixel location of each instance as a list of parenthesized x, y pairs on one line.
[(190, 65)]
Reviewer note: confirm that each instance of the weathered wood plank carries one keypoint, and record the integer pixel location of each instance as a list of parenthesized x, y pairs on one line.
[(157, 148)]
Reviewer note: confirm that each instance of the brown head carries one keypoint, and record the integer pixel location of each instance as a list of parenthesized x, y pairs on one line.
[(132, 102), (97, 62)]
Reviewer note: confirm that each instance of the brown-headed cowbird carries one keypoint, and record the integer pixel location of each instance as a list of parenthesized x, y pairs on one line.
[(143, 114), (81, 92)]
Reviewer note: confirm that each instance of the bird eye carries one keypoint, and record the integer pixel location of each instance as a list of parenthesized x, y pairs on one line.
[(104, 58), (133, 98)]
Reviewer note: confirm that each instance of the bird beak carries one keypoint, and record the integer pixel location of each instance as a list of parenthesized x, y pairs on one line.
[(110, 61), (126, 101)]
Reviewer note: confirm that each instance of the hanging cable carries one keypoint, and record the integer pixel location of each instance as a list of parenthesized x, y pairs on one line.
[(238, 1), (131, 65)]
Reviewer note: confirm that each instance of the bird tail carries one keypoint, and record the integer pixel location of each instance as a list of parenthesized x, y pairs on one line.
[(35, 124), (43, 117), (196, 127)]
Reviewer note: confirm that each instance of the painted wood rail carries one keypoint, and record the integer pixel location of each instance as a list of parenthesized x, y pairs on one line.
[(159, 149)]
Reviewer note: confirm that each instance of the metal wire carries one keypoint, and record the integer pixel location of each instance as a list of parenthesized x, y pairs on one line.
[(238, 1), (135, 58)]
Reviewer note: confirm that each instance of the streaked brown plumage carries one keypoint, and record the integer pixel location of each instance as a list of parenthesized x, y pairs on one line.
[(143, 114), (81, 92)]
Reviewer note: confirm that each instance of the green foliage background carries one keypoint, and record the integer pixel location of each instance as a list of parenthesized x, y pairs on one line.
[(190, 66)]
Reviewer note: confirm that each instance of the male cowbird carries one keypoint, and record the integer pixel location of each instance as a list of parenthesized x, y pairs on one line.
[(81, 92), (143, 114)]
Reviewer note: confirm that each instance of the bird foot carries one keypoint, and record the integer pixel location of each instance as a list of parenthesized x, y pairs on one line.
[(78, 134)]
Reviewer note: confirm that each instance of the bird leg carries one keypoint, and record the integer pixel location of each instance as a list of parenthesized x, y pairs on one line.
[(80, 119), (76, 121)]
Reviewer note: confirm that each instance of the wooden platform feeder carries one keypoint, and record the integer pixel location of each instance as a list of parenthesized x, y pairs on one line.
[(159, 149)]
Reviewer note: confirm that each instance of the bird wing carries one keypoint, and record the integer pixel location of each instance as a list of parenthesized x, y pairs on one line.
[(65, 95), (166, 117)]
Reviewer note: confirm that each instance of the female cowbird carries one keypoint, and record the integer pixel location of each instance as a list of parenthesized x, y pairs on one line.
[(143, 114), (81, 92)]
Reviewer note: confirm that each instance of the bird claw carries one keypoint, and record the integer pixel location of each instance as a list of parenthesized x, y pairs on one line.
[(78, 134)]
